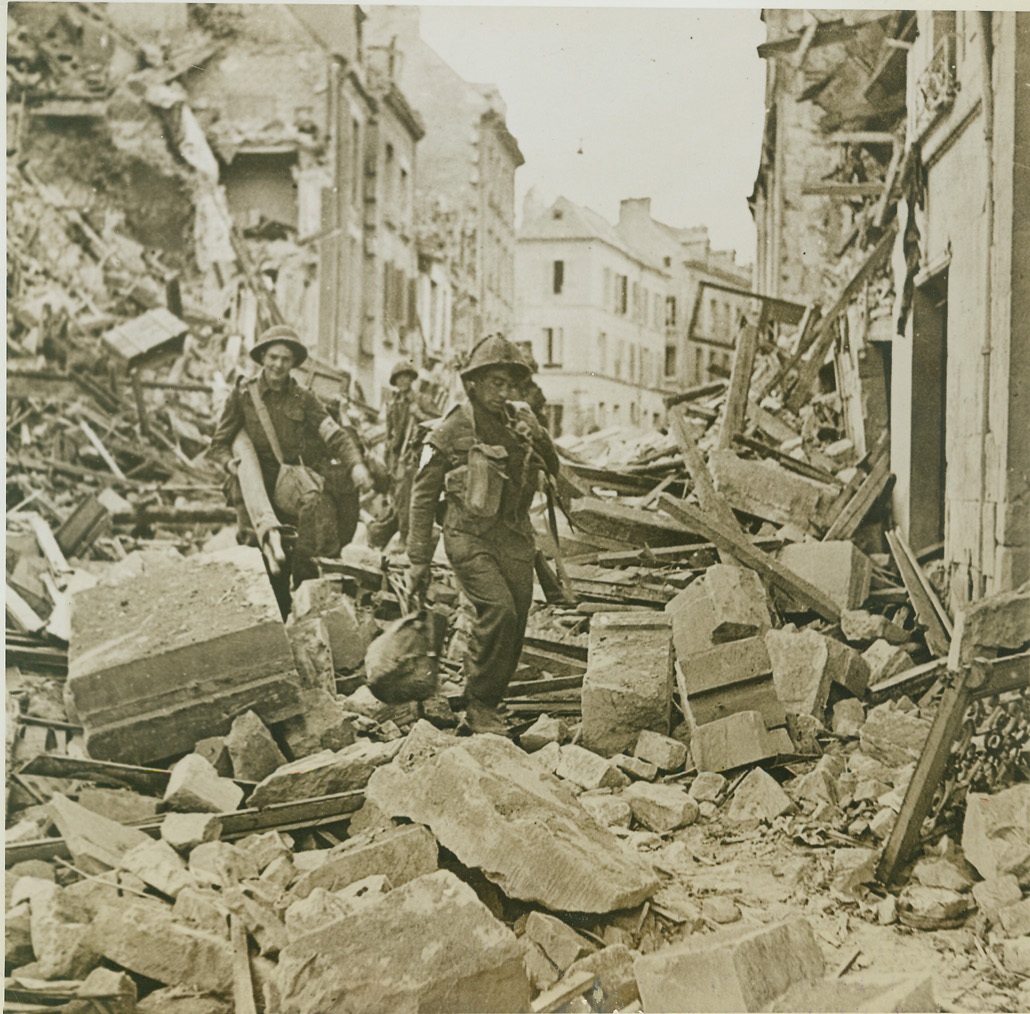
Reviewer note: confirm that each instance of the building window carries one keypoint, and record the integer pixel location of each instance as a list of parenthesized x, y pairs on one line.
[(632, 362), (552, 346), (606, 292), (601, 418), (634, 413), (621, 295), (602, 353), (558, 277), (356, 168), (670, 311), (670, 360)]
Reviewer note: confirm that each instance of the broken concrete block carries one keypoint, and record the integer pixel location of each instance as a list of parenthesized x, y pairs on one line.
[(848, 669), (862, 992), (146, 939), (119, 805), (347, 635), (726, 604), (324, 724), (221, 864), (817, 787), (562, 944), (661, 808), (548, 756), (62, 939), (628, 682), (893, 737), (997, 892), (147, 682), (729, 970), (883, 822), (156, 863), (588, 770), (311, 913), (635, 767), (309, 643), (758, 797), (470, 961), (1015, 955), (707, 786), (848, 717), (175, 1000), (185, 831), (885, 660), (731, 742), (996, 832), (861, 627), (265, 848), (195, 786), (215, 751), (258, 916), (543, 731), (539, 967), (613, 974), (34, 868), (517, 823), (202, 907), (839, 569), (664, 752), (95, 843), (997, 621), (800, 669), (324, 773), (252, 748), (401, 855), (608, 811)]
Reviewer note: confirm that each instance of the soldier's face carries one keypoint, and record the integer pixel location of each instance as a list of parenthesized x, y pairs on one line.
[(493, 388), (277, 363)]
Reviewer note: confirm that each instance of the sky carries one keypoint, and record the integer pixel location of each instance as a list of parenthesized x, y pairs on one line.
[(612, 102)]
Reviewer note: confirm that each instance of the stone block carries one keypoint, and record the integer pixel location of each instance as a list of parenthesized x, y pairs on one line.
[(252, 748), (62, 939), (885, 660), (146, 939), (312, 656), (731, 970), (942, 871), (156, 863), (1015, 918), (470, 961), (996, 893), (839, 569), (862, 627), (546, 729), (628, 682), (401, 854), (817, 787), (221, 864), (893, 737), (758, 797), (121, 805), (613, 974), (720, 909), (324, 724), (517, 823), (185, 831), (214, 750), (18, 935), (636, 767), (258, 916), (34, 868), (324, 773), (608, 811), (731, 742), (996, 833), (739, 602), (172, 1000), (997, 621), (661, 808), (96, 844), (693, 620), (800, 669), (561, 943), (539, 967), (1015, 955), (348, 637), (664, 752), (548, 756), (848, 717), (707, 786), (264, 849), (159, 661), (862, 992), (848, 669), (588, 770), (202, 908), (195, 786)]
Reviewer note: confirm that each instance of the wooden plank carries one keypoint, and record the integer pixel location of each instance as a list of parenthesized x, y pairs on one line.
[(1000, 675), (846, 523), (48, 546), (789, 463), (99, 447), (861, 137), (693, 393), (929, 768), (619, 521), (559, 995), (774, 571), (531, 688), (735, 408), (907, 682), (566, 648), (551, 662), (836, 188), (22, 613), (242, 983), (806, 335), (924, 601)]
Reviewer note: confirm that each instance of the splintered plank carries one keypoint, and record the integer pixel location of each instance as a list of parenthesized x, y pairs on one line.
[(740, 547), (242, 983), (619, 521), (735, 410), (567, 989), (148, 781), (929, 611), (854, 511)]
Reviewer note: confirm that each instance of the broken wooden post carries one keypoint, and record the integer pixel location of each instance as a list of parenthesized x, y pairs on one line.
[(929, 611), (141, 408), (853, 513), (99, 447), (735, 410), (242, 983)]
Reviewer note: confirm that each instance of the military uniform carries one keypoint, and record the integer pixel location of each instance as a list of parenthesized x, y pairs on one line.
[(307, 434), (492, 557), (403, 415)]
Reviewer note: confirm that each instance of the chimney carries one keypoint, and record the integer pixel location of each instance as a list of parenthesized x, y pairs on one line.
[(634, 208)]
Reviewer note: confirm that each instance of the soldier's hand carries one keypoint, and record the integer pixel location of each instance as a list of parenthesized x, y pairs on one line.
[(232, 466), (419, 575), (361, 478), (526, 423)]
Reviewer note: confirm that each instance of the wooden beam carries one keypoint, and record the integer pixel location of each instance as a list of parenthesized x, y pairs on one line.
[(693, 393), (531, 688), (783, 578), (148, 781), (559, 995), (735, 408), (99, 447), (836, 188), (242, 983), (846, 523), (48, 546), (789, 463), (929, 611), (861, 137), (22, 613)]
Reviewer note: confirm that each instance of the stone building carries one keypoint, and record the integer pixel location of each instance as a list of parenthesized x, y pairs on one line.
[(592, 311)]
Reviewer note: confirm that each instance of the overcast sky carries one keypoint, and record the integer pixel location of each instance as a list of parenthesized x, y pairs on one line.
[(610, 102)]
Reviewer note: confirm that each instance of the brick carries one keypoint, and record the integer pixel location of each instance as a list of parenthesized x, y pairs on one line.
[(324, 773), (588, 770), (885, 660), (546, 729), (730, 970), (608, 811), (1015, 918), (613, 970), (252, 748), (893, 737), (506, 826), (195, 786), (185, 831), (401, 854), (997, 892), (758, 797), (731, 742), (95, 843), (768, 491), (707, 786), (664, 752), (323, 725), (636, 767), (221, 864), (660, 808), (839, 569), (996, 833), (471, 961), (862, 992), (146, 939), (312, 656), (562, 944), (862, 627), (156, 863), (122, 805), (628, 683), (147, 684), (61, 934), (848, 717)]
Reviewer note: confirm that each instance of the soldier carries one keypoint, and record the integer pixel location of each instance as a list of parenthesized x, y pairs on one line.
[(305, 433), (485, 458), (403, 415)]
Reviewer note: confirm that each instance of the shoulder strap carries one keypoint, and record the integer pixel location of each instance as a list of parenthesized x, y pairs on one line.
[(266, 422)]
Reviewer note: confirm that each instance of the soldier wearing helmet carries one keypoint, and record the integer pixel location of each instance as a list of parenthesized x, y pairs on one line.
[(485, 461), (404, 412)]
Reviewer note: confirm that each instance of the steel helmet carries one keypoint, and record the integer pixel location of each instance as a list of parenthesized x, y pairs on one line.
[(280, 334), (404, 366), (495, 350)]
